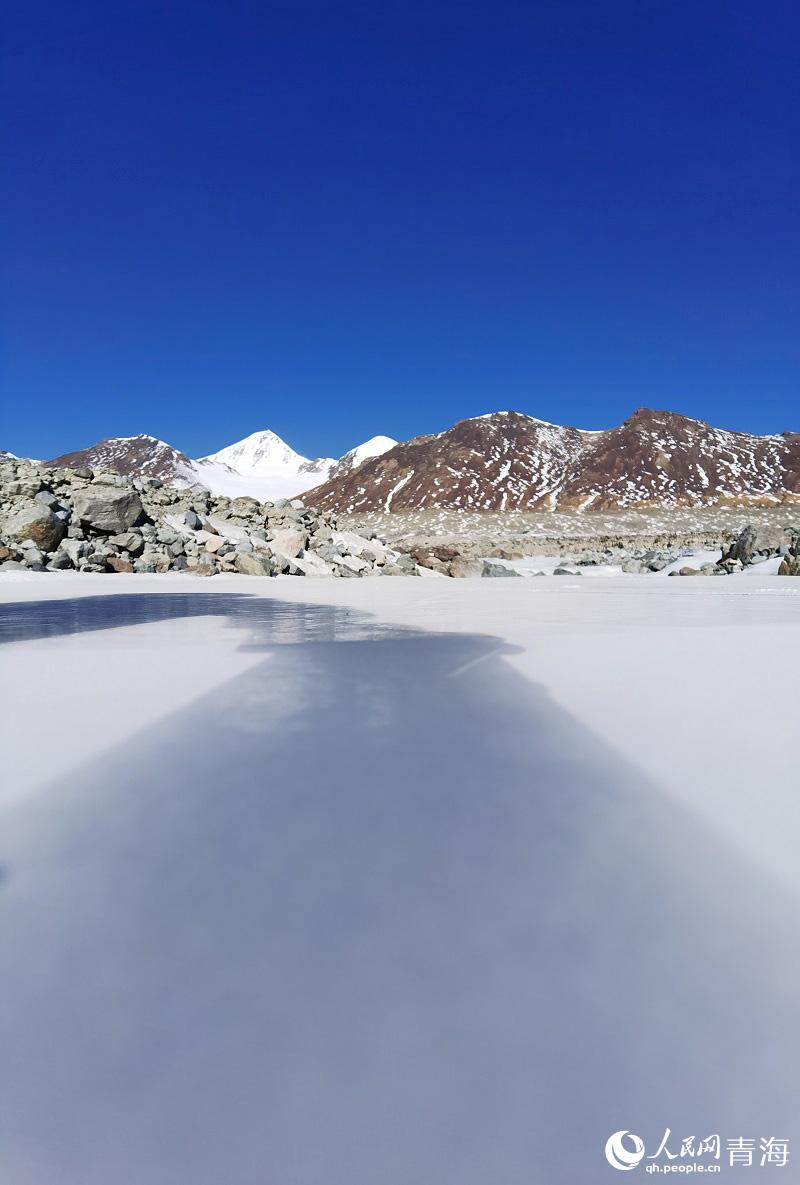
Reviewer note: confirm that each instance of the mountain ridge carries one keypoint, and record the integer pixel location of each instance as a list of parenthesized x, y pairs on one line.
[(260, 465), (498, 461), (508, 460)]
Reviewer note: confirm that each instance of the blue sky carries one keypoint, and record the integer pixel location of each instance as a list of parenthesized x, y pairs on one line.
[(340, 219)]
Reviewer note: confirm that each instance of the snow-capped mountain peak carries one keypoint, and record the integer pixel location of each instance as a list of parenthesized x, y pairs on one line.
[(260, 453)]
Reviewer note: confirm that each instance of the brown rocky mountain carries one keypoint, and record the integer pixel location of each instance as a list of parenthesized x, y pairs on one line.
[(507, 460), (133, 456)]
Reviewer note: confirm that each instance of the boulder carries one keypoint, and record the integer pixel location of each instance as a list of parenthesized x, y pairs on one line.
[(226, 529), (790, 566), (354, 564), (490, 569), (212, 543), (107, 509), (463, 567), (74, 549), (313, 565), (60, 562), (130, 541), (119, 563), (252, 563), (759, 540), (289, 541), (37, 523)]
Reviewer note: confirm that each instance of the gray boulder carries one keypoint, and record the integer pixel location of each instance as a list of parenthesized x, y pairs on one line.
[(130, 541), (251, 563), (289, 541), (74, 549), (465, 566), (107, 509), (490, 569), (38, 524)]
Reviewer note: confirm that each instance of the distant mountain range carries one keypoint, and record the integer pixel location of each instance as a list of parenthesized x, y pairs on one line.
[(262, 465), (501, 461)]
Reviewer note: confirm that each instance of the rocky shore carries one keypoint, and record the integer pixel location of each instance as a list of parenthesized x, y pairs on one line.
[(751, 546), (57, 519)]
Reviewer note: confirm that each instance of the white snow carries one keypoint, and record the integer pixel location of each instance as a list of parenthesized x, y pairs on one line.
[(376, 446), (396, 489)]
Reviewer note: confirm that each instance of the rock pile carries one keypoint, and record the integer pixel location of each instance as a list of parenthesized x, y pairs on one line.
[(752, 546), (53, 519)]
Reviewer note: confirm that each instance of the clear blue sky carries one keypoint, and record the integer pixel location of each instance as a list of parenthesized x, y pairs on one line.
[(339, 219)]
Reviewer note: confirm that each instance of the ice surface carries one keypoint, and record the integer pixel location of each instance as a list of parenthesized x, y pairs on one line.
[(446, 883)]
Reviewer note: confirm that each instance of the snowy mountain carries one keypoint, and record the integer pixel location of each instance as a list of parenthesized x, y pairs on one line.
[(507, 460), (262, 465), (264, 453), (374, 447)]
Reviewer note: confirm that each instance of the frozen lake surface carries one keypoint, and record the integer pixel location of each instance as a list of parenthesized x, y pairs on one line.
[(316, 883)]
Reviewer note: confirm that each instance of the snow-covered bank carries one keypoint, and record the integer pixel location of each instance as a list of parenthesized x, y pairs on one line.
[(450, 881)]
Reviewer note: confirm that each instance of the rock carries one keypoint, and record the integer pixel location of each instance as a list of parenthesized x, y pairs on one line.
[(245, 507), (406, 564), (253, 564), (352, 562), (107, 509), (789, 566), (490, 569), (151, 561), (37, 523), (212, 543), (464, 567), (75, 549), (289, 542), (130, 541), (759, 540), (227, 529), (203, 565), (313, 565), (118, 563), (48, 499), (566, 572), (689, 572), (192, 520), (60, 562), (633, 567)]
